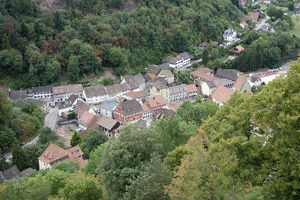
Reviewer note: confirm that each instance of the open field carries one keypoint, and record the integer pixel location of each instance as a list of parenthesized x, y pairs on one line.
[(296, 30)]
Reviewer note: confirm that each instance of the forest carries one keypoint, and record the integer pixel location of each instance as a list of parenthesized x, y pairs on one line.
[(86, 36), (247, 149)]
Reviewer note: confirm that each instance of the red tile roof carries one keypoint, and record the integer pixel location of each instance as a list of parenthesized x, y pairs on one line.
[(254, 16), (154, 102), (86, 119), (67, 88), (201, 71), (192, 88), (136, 95), (54, 154), (239, 82), (222, 94)]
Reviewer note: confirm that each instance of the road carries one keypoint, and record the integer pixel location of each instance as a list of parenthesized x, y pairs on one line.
[(50, 121)]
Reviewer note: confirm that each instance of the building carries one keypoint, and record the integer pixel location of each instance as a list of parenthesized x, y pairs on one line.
[(205, 45), (55, 154), (16, 95), (40, 92), (242, 3), (242, 84), (159, 87), (82, 107), (236, 50), (13, 173), (117, 90), (221, 73), (61, 93), (254, 16), (153, 69), (135, 82), (192, 90), (229, 35), (110, 127), (181, 60), (129, 111), (107, 108), (152, 106), (139, 96), (243, 23), (266, 77), (86, 120), (202, 75), (167, 75), (221, 95), (207, 88), (95, 94), (178, 93), (67, 106)]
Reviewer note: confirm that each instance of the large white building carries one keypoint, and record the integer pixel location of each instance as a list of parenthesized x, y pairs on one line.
[(229, 35), (180, 60), (95, 94)]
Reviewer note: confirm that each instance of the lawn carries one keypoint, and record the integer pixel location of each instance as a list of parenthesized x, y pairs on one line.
[(296, 29)]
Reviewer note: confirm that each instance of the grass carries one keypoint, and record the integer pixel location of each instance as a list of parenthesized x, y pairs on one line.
[(296, 29)]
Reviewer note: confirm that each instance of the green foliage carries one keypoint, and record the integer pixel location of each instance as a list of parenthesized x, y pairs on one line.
[(76, 139), (173, 159), (93, 139), (71, 116), (123, 158), (69, 166), (19, 158), (47, 136), (253, 140), (82, 187), (108, 81), (123, 35), (95, 159)]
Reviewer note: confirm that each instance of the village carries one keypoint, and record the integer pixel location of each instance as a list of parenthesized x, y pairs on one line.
[(144, 97)]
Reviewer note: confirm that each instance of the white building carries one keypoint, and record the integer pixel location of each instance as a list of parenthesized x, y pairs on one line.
[(108, 108), (229, 35), (40, 92), (95, 94), (180, 60), (61, 93)]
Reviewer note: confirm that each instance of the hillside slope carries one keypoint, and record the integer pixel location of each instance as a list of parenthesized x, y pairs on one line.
[(83, 36)]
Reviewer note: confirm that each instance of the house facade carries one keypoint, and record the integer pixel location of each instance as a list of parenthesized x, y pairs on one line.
[(107, 108), (129, 111), (167, 75), (207, 88), (152, 106), (55, 154), (160, 87), (180, 60), (95, 94), (178, 93), (61, 93), (229, 35), (40, 92)]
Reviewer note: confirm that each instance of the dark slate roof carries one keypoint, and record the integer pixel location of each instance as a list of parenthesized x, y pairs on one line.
[(9, 174), (186, 56), (109, 105), (72, 98), (130, 107), (26, 172), (153, 69), (42, 89), (211, 84), (227, 74), (139, 79), (14, 95)]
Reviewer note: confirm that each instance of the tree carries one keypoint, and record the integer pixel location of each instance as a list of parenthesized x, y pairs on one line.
[(82, 187), (108, 81), (123, 158), (93, 139), (19, 157), (95, 159), (69, 167), (173, 158), (76, 139), (73, 68), (205, 57), (150, 183), (47, 136)]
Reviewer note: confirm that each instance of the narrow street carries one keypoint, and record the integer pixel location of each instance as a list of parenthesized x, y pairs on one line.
[(50, 121)]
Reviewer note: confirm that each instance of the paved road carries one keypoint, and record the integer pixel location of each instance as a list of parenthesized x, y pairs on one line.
[(51, 118), (50, 121)]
